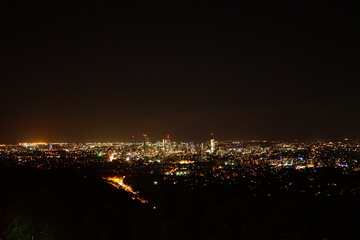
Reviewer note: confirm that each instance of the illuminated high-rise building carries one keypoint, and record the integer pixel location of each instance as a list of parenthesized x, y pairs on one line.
[(144, 135), (168, 143), (212, 143)]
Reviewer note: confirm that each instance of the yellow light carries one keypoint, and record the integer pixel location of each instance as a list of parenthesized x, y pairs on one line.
[(118, 182), (112, 157)]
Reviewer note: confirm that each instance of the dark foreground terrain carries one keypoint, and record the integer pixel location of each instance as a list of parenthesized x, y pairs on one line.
[(63, 204)]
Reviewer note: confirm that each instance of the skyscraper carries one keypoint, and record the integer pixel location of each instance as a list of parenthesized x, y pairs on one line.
[(144, 135), (212, 143)]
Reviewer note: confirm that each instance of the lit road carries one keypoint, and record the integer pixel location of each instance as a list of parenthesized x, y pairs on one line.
[(118, 182)]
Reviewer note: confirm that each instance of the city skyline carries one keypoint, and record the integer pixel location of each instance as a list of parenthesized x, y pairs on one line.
[(139, 139), (293, 190), (102, 71)]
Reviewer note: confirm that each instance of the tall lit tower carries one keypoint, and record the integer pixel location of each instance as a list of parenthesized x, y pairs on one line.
[(144, 135), (212, 143), (168, 143)]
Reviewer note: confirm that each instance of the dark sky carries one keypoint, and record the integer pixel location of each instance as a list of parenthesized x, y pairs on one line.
[(105, 70)]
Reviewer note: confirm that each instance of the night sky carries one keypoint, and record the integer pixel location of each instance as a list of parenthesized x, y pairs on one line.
[(106, 70)]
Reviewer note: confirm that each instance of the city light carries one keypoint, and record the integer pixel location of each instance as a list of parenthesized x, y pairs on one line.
[(118, 182)]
